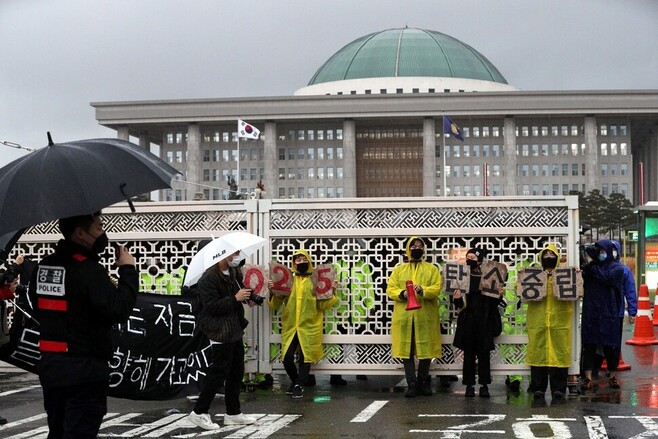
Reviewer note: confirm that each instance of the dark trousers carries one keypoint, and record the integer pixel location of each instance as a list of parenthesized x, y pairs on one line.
[(296, 376), (75, 411), (541, 376), (483, 367), (410, 364), (611, 353), (227, 369)]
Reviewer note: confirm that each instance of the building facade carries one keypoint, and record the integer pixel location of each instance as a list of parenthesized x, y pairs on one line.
[(370, 124)]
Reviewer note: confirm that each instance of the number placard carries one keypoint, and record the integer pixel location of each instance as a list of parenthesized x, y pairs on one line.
[(281, 276), (494, 275), (531, 284), (567, 284), (255, 277), (456, 276), (323, 276)]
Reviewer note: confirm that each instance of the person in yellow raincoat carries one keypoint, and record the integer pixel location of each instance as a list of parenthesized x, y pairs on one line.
[(302, 322), (549, 324), (416, 332)]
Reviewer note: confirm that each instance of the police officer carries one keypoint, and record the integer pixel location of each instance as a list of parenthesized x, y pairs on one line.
[(76, 305)]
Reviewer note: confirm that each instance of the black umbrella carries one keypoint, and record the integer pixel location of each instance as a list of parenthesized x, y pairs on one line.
[(76, 178)]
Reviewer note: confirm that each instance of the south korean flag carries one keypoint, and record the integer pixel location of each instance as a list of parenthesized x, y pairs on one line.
[(247, 131)]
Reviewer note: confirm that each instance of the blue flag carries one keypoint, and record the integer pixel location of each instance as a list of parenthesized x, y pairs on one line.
[(449, 127)]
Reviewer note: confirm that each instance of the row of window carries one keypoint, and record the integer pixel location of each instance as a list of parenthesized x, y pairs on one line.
[(534, 150), (465, 171), (568, 130), (311, 192), (534, 189), (223, 174), (329, 134), (319, 153), (311, 173)]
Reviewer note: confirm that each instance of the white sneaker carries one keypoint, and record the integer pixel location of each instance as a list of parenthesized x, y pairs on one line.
[(202, 420), (239, 419)]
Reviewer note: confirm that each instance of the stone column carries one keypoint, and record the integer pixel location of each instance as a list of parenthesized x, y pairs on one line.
[(193, 163), (592, 166), (122, 133), (349, 158), (270, 179), (509, 155), (429, 157)]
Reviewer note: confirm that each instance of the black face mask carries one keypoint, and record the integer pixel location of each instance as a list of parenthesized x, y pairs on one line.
[(471, 263), (416, 253), (548, 263), (100, 244), (302, 268)]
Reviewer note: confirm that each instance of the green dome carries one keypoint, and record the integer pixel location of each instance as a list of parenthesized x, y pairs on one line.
[(407, 53)]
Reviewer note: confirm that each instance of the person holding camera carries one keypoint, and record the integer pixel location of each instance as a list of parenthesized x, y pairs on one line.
[(302, 322), (221, 318), (76, 305), (8, 284)]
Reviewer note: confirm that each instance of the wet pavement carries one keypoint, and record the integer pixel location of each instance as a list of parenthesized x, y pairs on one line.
[(377, 408)]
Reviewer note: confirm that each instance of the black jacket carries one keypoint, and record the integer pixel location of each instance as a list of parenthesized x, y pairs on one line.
[(76, 304), (221, 317)]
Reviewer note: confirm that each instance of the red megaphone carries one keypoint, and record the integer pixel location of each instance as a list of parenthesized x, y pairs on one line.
[(412, 303)]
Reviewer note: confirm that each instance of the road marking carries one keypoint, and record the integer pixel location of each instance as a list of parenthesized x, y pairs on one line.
[(23, 389), (369, 411), (595, 427)]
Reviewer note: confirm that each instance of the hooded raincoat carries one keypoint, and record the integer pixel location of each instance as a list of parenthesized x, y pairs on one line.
[(602, 299), (549, 324), (424, 321), (302, 313)]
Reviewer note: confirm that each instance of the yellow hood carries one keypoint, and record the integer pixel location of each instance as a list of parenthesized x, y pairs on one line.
[(293, 266)]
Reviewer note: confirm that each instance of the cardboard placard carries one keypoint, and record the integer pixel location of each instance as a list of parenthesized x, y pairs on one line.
[(567, 283), (531, 284), (255, 277), (322, 277), (282, 278), (456, 276), (494, 276)]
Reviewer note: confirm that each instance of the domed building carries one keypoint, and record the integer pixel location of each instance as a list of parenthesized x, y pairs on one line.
[(405, 61), (370, 123)]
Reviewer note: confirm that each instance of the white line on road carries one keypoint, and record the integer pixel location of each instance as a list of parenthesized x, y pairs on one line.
[(23, 389), (369, 411)]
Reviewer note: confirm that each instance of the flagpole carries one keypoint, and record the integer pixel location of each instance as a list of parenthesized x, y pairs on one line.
[(443, 153), (237, 175)]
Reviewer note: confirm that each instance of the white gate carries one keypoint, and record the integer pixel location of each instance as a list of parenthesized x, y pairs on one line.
[(365, 238)]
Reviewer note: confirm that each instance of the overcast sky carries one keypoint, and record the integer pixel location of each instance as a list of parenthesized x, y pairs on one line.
[(57, 56)]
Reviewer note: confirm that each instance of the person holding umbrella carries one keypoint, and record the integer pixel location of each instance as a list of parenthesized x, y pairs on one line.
[(221, 318), (76, 304)]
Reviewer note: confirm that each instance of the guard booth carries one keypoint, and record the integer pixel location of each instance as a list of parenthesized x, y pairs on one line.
[(364, 239), (647, 246)]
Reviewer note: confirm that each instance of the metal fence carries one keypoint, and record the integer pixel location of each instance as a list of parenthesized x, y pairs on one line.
[(365, 240)]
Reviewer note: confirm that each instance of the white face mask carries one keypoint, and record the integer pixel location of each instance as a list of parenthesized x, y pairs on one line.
[(235, 261), (614, 254)]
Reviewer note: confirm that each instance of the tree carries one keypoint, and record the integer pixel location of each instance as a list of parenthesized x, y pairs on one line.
[(618, 214), (596, 204)]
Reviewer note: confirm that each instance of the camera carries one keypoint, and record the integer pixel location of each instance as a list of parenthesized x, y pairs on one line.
[(258, 300), (8, 276), (588, 253)]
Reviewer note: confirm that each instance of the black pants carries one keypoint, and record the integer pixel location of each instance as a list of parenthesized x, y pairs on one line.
[(227, 369), (410, 364), (75, 411), (541, 376), (296, 376), (483, 367), (611, 353)]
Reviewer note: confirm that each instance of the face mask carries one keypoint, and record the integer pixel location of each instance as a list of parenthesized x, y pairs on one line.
[(615, 255), (100, 244), (303, 267), (603, 257), (235, 262), (548, 263), (416, 253), (471, 263)]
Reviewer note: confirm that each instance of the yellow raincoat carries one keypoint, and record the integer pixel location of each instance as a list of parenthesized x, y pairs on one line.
[(549, 327), (302, 314), (426, 319)]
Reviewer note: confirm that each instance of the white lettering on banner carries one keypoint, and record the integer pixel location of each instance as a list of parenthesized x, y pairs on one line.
[(50, 281), (136, 324)]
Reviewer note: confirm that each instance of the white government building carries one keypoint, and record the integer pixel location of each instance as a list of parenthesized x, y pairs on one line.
[(370, 124)]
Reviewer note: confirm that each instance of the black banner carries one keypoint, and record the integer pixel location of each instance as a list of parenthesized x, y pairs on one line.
[(158, 352)]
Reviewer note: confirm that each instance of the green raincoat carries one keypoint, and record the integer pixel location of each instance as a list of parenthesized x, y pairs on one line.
[(424, 320), (549, 324), (302, 314)]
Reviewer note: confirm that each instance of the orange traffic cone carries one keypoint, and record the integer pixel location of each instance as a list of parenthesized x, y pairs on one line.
[(655, 310), (620, 366), (643, 334)]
